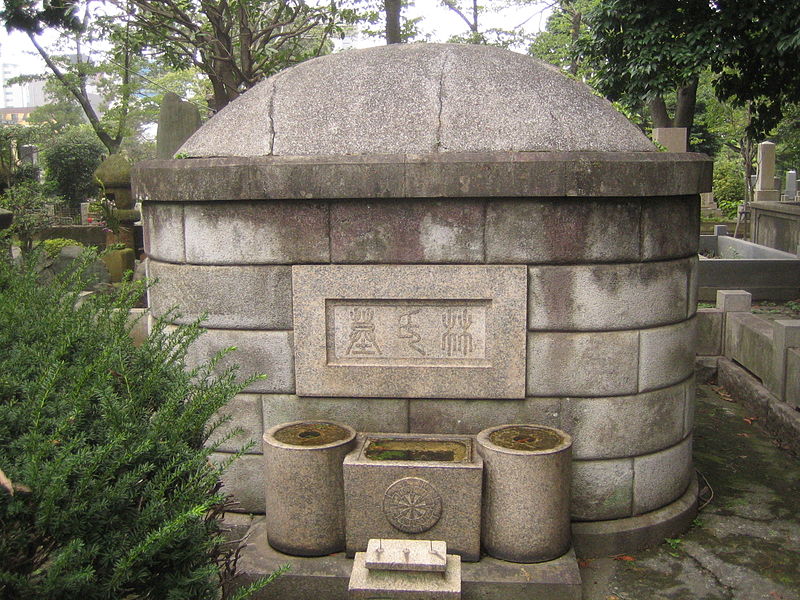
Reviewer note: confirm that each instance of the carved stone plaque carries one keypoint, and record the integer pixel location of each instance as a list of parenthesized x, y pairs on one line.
[(412, 505), (410, 331), (407, 332)]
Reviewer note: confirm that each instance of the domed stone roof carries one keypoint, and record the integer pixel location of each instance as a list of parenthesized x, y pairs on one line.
[(416, 99)]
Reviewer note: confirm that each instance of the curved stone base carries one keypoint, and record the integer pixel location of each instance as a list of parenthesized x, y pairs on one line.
[(593, 539)]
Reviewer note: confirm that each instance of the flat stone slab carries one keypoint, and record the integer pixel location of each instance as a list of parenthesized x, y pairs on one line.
[(459, 175), (406, 555), (328, 576), (426, 585), (410, 331)]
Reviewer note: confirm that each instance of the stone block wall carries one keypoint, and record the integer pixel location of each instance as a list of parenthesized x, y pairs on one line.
[(769, 350), (610, 321)]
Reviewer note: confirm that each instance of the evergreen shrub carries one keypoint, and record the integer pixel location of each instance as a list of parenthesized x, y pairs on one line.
[(53, 246), (106, 488), (70, 162)]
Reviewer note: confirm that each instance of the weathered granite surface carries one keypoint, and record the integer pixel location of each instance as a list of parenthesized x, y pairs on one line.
[(369, 583), (526, 497), (327, 577), (416, 98), (305, 492), (554, 174)]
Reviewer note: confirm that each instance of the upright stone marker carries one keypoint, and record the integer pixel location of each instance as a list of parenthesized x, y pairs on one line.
[(766, 190), (790, 189), (177, 120), (674, 139)]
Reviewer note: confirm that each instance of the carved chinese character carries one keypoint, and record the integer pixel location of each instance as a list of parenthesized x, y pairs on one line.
[(456, 338), (362, 333), (407, 330)]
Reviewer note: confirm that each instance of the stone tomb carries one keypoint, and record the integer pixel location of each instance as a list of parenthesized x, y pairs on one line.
[(301, 212)]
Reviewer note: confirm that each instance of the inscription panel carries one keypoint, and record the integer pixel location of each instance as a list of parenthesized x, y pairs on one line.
[(407, 332), (410, 331)]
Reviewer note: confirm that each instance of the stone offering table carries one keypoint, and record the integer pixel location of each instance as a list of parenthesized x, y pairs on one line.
[(442, 238)]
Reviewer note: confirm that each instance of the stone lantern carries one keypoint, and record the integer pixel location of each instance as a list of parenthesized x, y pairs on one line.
[(115, 175)]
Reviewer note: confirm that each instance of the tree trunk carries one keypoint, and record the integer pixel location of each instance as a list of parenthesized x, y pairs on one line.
[(658, 112), (575, 34), (392, 8), (684, 111)]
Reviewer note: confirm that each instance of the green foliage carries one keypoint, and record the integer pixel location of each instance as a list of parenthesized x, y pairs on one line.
[(70, 162), (12, 139), (29, 201), (29, 16), (368, 18), (53, 246), (787, 138), (642, 50), (675, 545), (728, 186), (558, 43), (107, 490), (235, 43)]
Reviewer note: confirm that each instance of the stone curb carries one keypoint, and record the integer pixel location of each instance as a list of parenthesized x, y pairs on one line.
[(777, 417), (606, 538)]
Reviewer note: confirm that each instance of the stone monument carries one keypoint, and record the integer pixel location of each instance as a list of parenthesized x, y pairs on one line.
[(766, 189), (439, 239), (177, 120)]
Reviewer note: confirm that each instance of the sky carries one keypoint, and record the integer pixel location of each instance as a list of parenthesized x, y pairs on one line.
[(439, 23)]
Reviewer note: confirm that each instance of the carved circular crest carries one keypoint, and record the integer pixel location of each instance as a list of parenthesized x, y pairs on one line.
[(412, 505)]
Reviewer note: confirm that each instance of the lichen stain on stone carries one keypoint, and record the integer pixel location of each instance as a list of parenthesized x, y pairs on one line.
[(526, 437), (417, 450), (311, 434), (437, 240)]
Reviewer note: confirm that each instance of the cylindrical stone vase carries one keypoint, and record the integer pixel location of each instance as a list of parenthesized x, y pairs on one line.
[(526, 492), (304, 486)]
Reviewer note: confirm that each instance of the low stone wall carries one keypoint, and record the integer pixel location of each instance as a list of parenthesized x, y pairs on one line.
[(751, 347), (777, 225), (766, 273)]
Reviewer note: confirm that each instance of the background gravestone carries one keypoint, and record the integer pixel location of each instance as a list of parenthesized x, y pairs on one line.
[(177, 120)]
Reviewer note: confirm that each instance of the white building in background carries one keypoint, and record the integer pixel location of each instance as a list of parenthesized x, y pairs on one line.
[(10, 95)]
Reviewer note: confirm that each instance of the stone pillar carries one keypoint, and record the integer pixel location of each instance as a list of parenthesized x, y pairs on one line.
[(177, 120), (785, 335), (732, 301), (526, 492), (674, 139), (765, 182), (305, 486)]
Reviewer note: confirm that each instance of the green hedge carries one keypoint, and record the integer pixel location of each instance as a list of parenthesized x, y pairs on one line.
[(106, 490)]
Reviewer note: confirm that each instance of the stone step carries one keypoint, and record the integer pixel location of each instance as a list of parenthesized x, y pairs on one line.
[(328, 576)]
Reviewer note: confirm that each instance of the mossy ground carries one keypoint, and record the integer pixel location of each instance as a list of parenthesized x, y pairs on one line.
[(745, 543)]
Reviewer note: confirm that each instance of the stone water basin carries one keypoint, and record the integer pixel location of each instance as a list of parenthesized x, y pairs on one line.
[(414, 486)]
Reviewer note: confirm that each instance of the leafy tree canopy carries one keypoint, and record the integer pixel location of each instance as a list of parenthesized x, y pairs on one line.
[(642, 50), (33, 17), (235, 43), (70, 163)]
